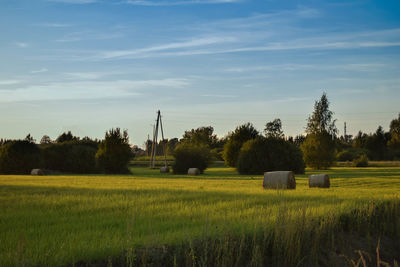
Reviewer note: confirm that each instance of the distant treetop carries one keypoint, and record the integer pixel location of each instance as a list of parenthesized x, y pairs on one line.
[(321, 119)]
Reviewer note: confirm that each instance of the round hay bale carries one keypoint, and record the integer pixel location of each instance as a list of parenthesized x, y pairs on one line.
[(279, 180), (193, 171), (37, 172), (319, 180), (164, 169)]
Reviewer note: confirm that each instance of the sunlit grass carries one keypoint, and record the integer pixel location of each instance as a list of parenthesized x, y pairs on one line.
[(55, 220)]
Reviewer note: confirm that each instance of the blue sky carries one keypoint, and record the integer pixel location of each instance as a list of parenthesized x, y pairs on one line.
[(89, 65)]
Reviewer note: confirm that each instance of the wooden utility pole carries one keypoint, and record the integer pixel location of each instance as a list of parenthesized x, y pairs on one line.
[(154, 145), (147, 146)]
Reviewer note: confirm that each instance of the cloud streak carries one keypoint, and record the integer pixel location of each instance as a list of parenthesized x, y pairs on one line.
[(39, 71), (195, 42), (153, 3), (163, 50), (21, 44), (360, 67), (179, 3), (9, 82), (74, 1), (53, 25), (87, 89), (88, 35)]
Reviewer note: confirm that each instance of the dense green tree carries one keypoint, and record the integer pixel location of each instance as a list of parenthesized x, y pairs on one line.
[(114, 152), (274, 129), (395, 126), (321, 120), (319, 147), (394, 143), (189, 155), (318, 150), (360, 140), (171, 145), (297, 140), (19, 157), (376, 145), (66, 136), (235, 140), (45, 140), (269, 154), (70, 156), (201, 135), (30, 139)]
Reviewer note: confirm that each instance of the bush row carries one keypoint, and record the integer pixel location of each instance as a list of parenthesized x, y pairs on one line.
[(269, 154), (74, 156), (188, 155), (255, 156), (71, 156)]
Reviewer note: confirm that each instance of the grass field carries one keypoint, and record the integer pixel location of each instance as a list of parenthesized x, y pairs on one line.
[(219, 218)]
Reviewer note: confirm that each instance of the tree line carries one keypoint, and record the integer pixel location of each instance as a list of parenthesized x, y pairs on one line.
[(245, 148), (251, 151), (67, 153)]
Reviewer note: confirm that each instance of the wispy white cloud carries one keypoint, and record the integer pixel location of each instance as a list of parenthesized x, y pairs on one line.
[(220, 96), (88, 89), (178, 3), (291, 99), (195, 42), (364, 67), (39, 70), (84, 75), (260, 33), (279, 67), (153, 3), (367, 67), (9, 82), (88, 35), (53, 25), (89, 75), (74, 1), (307, 12), (285, 46), (224, 45), (21, 44)]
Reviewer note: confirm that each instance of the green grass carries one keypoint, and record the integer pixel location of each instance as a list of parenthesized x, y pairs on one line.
[(59, 220)]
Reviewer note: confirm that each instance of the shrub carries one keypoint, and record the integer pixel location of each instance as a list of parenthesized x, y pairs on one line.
[(362, 161), (269, 154), (345, 155), (190, 156), (114, 152), (70, 156), (318, 150), (235, 141), (350, 154), (19, 157), (231, 152)]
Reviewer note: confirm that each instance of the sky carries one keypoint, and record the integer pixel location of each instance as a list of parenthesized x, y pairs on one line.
[(91, 65)]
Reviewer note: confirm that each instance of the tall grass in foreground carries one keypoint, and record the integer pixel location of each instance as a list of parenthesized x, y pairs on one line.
[(218, 219)]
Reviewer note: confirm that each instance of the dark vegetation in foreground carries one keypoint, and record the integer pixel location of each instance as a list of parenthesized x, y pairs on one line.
[(361, 238)]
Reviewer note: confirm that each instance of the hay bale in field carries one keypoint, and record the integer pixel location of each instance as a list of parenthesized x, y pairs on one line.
[(164, 169), (37, 172), (279, 180), (193, 171), (319, 180)]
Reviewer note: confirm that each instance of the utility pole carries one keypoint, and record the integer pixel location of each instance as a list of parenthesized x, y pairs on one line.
[(147, 146), (154, 145), (345, 132)]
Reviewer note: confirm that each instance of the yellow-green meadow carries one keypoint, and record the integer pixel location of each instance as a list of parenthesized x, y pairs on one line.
[(219, 218)]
